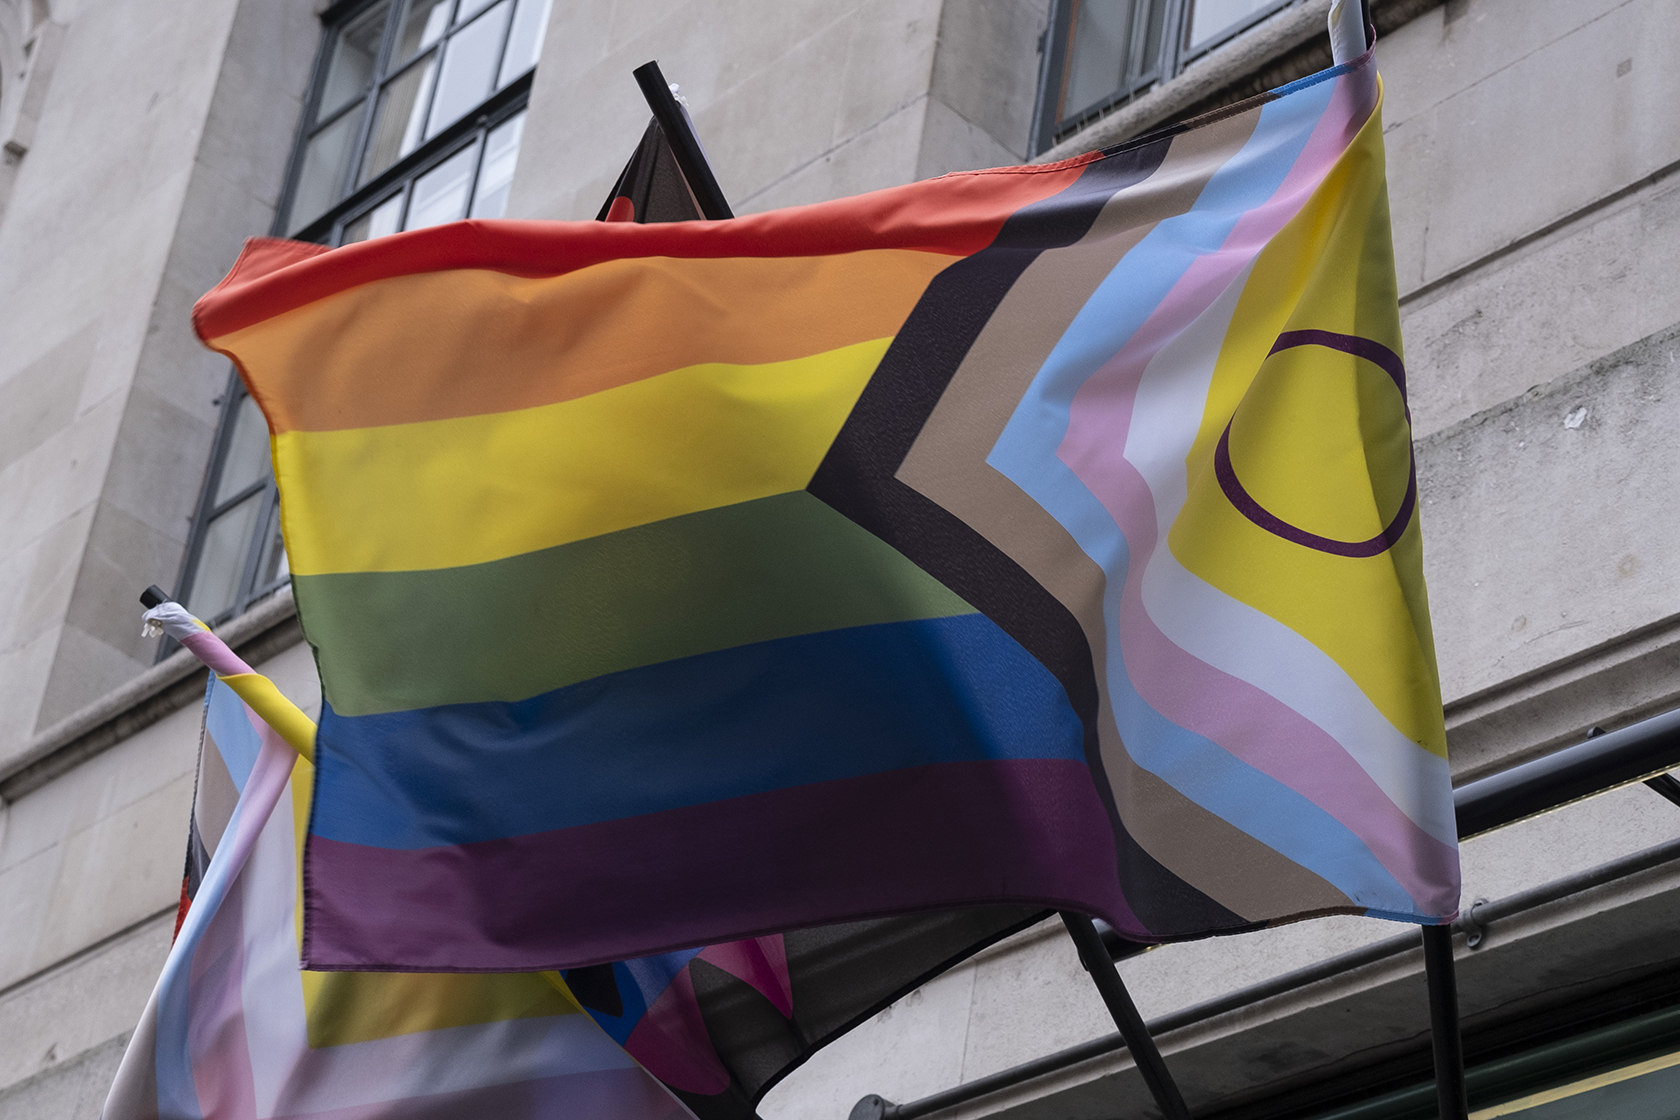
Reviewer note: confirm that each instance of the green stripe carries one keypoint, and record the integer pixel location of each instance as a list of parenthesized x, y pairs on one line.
[(514, 628)]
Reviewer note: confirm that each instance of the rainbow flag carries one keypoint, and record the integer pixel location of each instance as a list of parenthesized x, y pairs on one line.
[(235, 1030), (1041, 536)]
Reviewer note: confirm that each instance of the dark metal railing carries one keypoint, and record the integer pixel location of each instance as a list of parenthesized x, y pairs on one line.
[(1605, 761)]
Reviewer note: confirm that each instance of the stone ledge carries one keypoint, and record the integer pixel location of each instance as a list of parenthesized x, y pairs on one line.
[(1613, 683), (261, 632)]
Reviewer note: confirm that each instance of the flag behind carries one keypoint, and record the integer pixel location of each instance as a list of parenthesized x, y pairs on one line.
[(236, 1031), (1042, 537)]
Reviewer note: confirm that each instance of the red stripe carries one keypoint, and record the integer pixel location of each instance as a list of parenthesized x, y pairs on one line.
[(955, 214)]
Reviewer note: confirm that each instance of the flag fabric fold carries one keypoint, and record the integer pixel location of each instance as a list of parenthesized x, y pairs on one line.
[(235, 1030), (1042, 538)]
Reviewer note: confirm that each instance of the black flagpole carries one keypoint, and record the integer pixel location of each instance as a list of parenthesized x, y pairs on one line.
[(1094, 955), (1442, 979), (685, 146)]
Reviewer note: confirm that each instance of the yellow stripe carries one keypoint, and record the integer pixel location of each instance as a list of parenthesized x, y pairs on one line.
[(274, 709), (1563, 1092), (351, 1007), (1331, 454), (446, 493)]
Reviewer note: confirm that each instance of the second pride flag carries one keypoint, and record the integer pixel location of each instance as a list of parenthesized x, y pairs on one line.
[(1042, 536), (235, 1030)]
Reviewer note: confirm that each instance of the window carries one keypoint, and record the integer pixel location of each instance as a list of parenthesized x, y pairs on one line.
[(1101, 53), (414, 119)]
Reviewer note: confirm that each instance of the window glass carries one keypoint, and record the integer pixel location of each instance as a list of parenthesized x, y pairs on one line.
[(271, 565), (221, 559), (402, 107), (501, 152), (440, 195), (423, 24), (1209, 17), (530, 24), (324, 163), (381, 220), (1101, 40), (470, 8), (469, 64), (355, 52), (247, 454)]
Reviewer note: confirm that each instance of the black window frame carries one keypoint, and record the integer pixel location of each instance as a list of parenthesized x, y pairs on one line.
[(470, 131), (353, 201), (1176, 54)]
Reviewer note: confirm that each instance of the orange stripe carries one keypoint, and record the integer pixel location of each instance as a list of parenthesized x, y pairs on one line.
[(956, 214), (441, 345)]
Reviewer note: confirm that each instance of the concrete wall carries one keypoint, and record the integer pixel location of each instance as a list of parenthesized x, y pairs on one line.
[(796, 102), (158, 150)]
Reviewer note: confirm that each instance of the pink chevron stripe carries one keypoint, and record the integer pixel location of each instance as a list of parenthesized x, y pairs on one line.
[(221, 1061), (760, 962), (673, 1044), (1250, 724)]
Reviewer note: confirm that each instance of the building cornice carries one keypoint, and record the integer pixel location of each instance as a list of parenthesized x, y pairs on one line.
[(173, 683)]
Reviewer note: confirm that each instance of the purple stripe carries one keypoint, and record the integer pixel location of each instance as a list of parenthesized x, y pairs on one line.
[(1386, 360), (925, 838)]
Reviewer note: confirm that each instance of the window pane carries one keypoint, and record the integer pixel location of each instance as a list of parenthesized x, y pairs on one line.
[(440, 195), (1209, 17), (530, 24), (1102, 33), (322, 177), (221, 561), (423, 24), (378, 222), (247, 454), (272, 566), (470, 8), (354, 54), (469, 63), (501, 152), (402, 107)]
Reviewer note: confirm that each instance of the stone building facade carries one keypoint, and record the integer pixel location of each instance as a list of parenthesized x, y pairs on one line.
[(1532, 155)]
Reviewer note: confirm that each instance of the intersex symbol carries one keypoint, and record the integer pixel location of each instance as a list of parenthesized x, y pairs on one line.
[(1386, 360)]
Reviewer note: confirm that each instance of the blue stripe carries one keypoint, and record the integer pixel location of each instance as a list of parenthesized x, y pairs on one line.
[(772, 715), (172, 1058), (230, 730), (640, 984)]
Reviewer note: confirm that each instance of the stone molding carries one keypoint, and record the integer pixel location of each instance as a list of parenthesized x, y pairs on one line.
[(1257, 60), (266, 629)]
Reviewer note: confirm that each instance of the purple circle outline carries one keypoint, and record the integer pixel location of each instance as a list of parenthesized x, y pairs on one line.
[(1386, 360)]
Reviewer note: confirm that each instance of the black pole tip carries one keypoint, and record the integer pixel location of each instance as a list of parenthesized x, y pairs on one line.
[(154, 596), (872, 1107)]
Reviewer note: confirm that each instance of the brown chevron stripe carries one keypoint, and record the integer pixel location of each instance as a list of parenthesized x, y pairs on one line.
[(857, 479), (947, 465)]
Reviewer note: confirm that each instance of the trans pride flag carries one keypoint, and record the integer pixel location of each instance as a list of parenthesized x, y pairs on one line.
[(236, 1031), (1041, 536)]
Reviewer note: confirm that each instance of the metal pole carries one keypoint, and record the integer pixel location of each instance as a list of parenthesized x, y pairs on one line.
[(685, 146), (1443, 1023), (1093, 954)]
